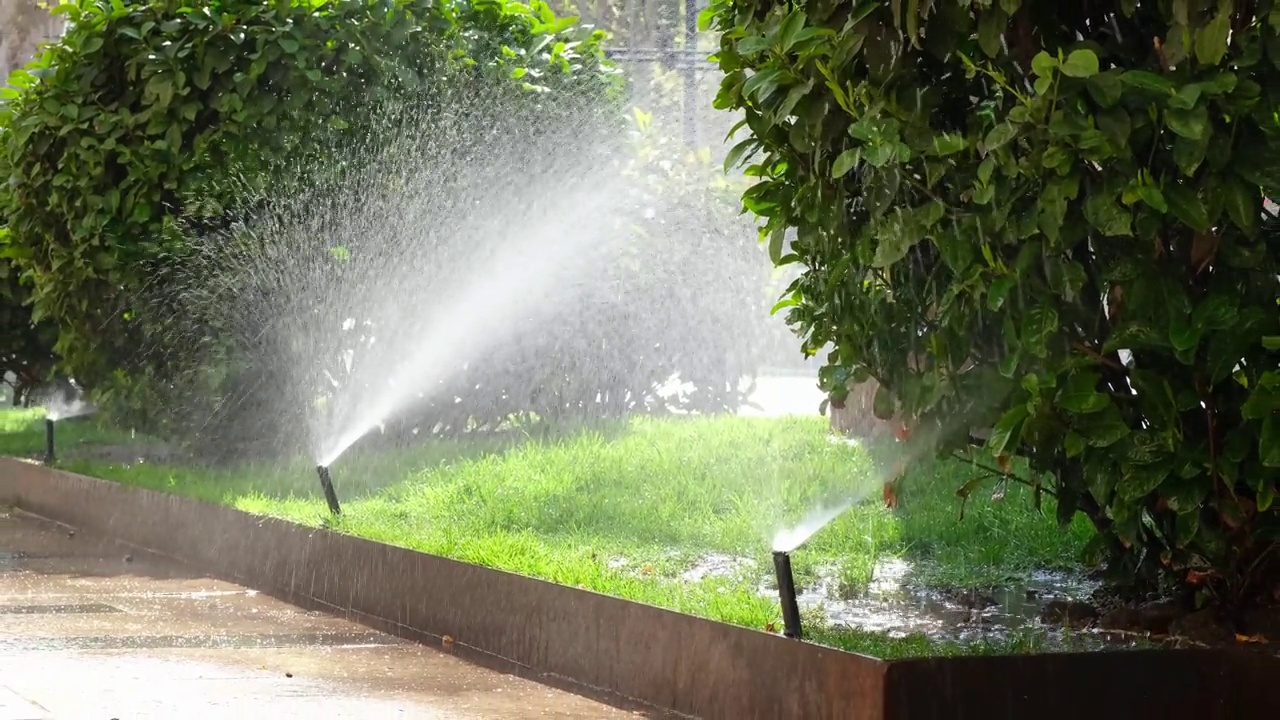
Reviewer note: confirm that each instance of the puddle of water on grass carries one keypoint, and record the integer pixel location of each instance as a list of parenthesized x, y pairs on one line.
[(716, 565), (894, 604)]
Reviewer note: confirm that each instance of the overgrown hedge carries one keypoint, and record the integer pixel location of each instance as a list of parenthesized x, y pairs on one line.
[(147, 114), (153, 124), (26, 347), (1061, 238)]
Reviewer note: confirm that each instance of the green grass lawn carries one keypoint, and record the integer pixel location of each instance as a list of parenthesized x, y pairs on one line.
[(627, 513)]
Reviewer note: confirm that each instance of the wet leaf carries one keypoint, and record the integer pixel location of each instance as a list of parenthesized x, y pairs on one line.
[(739, 153), (1000, 136), (1211, 39), (991, 27), (1138, 481), (1106, 88), (1082, 63), (1244, 205), (1269, 441), (1007, 432), (1147, 81), (1187, 206), (1080, 394), (948, 144), (1103, 429), (1044, 64), (1187, 526), (1192, 124), (897, 235), (845, 162)]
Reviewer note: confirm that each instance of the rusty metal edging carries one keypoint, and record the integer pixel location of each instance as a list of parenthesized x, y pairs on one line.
[(665, 659), (1192, 684)]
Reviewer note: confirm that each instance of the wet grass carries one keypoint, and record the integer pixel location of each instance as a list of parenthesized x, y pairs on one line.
[(22, 433), (629, 511)]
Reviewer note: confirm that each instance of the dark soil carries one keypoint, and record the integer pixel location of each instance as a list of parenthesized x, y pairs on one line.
[(1173, 621)]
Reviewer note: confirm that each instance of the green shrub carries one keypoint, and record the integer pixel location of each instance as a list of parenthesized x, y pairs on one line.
[(26, 347), (147, 117), (1061, 239)]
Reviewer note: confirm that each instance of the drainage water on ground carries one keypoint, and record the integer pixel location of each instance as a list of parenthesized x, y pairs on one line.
[(895, 604)]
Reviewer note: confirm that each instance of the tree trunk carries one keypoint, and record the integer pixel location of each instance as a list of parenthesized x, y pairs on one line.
[(24, 24)]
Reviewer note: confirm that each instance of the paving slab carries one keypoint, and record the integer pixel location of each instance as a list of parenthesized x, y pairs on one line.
[(91, 628)]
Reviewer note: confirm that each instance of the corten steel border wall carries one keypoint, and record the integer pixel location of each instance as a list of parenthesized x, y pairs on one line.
[(665, 659)]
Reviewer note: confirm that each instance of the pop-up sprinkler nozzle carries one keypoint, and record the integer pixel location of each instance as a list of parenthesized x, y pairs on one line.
[(49, 454), (787, 593), (330, 496)]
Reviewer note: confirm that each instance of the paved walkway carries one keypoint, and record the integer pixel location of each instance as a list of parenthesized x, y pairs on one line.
[(90, 629)]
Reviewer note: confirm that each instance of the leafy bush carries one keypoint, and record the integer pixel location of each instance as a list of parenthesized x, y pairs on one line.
[(136, 122), (671, 294), (26, 348), (1007, 226), (204, 136)]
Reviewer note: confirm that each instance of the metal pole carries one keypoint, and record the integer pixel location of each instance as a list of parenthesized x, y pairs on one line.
[(49, 454), (787, 593), (326, 483)]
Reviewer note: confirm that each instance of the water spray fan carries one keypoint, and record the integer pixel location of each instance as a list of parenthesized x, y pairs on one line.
[(326, 484)]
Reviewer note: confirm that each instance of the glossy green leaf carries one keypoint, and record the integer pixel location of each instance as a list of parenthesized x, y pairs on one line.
[(1244, 205), (999, 136), (1044, 64), (897, 234), (1187, 206), (1080, 394), (1269, 441), (845, 162), (1106, 88), (991, 27), (1211, 39), (1192, 124), (1147, 81), (1082, 63), (1007, 432), (1103, 429), (1136, 482)]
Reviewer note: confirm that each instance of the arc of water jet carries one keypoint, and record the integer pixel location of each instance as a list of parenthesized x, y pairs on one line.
[(789, 539), (451, 338)]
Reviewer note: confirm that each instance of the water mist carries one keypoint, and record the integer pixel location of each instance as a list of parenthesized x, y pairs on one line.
[(451, 231)]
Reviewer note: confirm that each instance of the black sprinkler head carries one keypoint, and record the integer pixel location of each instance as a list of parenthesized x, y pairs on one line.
[(49, 454), (326, 483), (787, 593)]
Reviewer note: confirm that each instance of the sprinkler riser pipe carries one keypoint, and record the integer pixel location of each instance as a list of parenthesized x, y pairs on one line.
[(787, 594), (49, 454), (326, 484)]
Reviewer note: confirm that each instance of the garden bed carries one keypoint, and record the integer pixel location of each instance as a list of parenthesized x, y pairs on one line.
[(678, 513)]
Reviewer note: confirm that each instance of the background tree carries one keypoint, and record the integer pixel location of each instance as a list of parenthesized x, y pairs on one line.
[(24, 24), (1009, 226), (26, 348)]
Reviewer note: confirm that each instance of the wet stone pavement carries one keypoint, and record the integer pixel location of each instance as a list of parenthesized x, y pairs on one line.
[(93, 629)]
